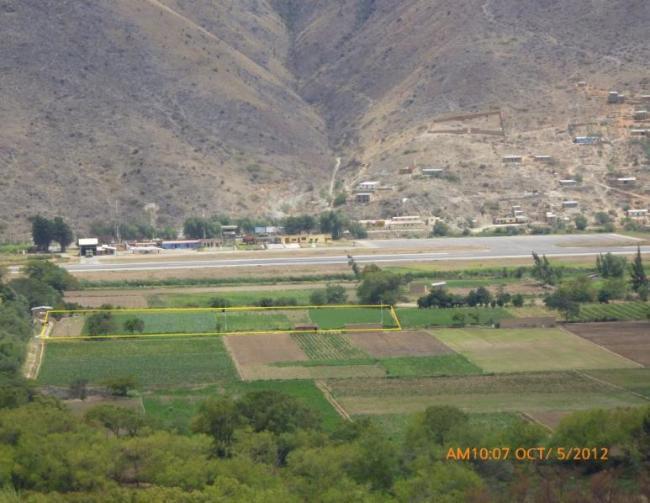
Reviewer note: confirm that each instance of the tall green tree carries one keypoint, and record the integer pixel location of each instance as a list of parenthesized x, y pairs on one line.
[(50, 274), (61, 233), (42, 233), (562, 300), (332, 222), (611, 266), (219, 418), (201, 228), (543, 271), (639, 279), (379, 287)]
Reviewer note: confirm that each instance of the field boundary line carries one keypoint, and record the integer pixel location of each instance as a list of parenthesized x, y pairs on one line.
[(232, 358), (392, 313), (91, 338), (611, 385), (209, 309), (636, 364), (327, 393), (533, 420)]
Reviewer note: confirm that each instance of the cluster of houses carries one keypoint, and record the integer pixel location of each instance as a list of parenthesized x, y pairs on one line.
[(399, 224), (516, 216), (518, 159)]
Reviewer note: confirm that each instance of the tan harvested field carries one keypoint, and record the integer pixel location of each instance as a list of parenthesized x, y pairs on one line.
[(532, 312), (269, 372), (264, 349), (216, 273), (68, 327), (630, 339), (127, 299), (139, 297), (395, 344)]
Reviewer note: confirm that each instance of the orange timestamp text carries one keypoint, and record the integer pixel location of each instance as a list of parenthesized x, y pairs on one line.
[(528, 454)]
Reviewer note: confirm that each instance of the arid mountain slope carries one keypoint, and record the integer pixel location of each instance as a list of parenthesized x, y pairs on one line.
[(242, 106), (130, 100)]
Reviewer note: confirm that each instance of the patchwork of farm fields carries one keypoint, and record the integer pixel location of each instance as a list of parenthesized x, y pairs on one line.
[(542, 373)]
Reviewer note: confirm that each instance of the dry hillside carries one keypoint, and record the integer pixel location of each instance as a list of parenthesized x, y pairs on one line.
[(242, 106)]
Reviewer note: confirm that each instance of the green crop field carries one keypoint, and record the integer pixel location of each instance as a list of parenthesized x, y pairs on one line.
[(611, 312), (328, 347), (337, 351), (332, 318), (197, 321), (425, 366), (531, 349), (635, 380), (204, 322), (395, 426), (174, 408), (153, 362), (422, 318), (531, 392)]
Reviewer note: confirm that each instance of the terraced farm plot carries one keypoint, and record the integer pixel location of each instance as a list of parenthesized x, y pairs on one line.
[(532, 392), (396, 344), (68, 327), (610, 312), (527, 350), (332, 318), (263, 349), (423, 318), (151, 362), (427, 366), (255, 356), (186, 322), (629, 339), (532, 312), (328, 347), (205, 321)]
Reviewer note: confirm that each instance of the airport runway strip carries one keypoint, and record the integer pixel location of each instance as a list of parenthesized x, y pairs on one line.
[(422, 250)]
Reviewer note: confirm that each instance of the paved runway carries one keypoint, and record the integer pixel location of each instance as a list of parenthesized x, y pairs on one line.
[(422, 250)]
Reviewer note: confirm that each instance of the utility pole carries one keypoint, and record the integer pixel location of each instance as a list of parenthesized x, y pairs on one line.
[(117, 224)]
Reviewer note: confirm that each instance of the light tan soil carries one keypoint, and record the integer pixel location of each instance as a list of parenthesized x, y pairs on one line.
[(395, 344), (68, 327)]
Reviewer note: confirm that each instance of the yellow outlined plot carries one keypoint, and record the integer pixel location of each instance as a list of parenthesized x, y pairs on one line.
[(387, 313)]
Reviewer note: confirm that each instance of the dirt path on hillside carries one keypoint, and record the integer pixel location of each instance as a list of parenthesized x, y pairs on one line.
[(333, 181), (34, 357)]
